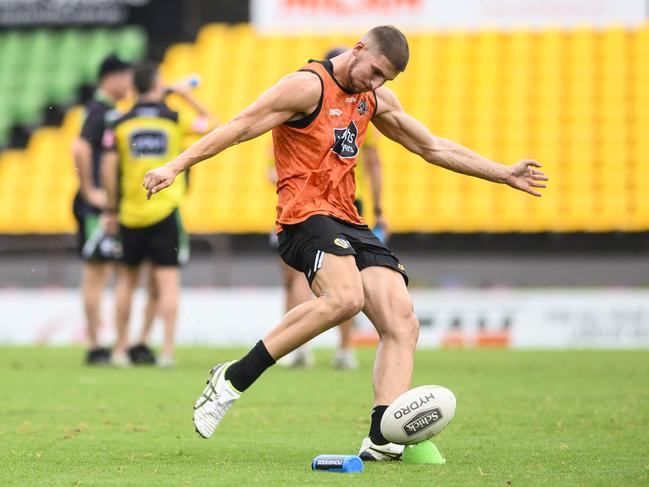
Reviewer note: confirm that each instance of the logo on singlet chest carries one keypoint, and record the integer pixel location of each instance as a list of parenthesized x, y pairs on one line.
[(345, 141)]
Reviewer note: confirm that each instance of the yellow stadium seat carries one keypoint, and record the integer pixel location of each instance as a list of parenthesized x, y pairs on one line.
[(576, 100)]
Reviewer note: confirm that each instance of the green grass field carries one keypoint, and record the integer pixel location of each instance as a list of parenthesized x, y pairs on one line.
[(523, 418)]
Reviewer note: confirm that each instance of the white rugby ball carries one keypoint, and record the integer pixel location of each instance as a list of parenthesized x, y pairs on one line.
[(418, 414)]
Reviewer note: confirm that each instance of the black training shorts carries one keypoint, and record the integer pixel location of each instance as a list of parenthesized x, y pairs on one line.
[(94, 245), (303, 245), (164, 243)]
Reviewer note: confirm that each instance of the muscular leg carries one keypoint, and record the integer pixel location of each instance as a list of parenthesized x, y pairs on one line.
[(126, 281), (388, 306), (296, 292), (339, 292), (95, 275)]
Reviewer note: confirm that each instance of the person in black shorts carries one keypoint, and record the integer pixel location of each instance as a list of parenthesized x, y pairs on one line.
[(319, 118), (303, 245), (139, 140), (95, 247)]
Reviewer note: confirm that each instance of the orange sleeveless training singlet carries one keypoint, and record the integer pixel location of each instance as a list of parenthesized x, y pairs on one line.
[(315, 156)]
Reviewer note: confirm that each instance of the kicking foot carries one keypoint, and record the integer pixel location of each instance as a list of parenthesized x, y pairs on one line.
[(214, 402)]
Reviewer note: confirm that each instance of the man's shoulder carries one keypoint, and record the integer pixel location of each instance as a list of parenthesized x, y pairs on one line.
[(299, 91), (386, 100), (305, 77)]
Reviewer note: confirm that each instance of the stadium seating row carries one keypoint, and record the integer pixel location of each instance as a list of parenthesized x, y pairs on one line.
[(46, 67), (575, 100)]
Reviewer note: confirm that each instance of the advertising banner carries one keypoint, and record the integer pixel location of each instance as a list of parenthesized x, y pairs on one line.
[(537, 318), (326, 16)]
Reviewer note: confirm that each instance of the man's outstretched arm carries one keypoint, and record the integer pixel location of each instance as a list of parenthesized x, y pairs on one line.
[(397, 125), (292, 96)]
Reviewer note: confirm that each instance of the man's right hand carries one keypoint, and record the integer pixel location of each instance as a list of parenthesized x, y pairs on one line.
[(158, 179), (110, 223)]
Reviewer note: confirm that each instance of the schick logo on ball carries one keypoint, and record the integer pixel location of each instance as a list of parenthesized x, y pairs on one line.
[(422, 420), (414, 405)]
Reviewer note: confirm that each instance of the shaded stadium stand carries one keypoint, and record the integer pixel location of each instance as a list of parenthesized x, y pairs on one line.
[(575, 100), (40, 68)]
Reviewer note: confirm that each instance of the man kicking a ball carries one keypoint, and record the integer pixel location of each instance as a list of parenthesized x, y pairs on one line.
[(319, 116)]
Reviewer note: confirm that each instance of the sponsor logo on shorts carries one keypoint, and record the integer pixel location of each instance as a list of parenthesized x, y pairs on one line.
[(341, 242), (422, 420)]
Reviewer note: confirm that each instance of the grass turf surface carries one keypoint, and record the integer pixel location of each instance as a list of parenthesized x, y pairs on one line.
[(523, 418)]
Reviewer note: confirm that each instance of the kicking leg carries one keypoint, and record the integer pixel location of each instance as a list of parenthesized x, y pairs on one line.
[(296, 292), (339, 292)]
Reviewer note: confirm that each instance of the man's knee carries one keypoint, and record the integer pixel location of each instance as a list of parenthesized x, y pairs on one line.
[(347, 302)]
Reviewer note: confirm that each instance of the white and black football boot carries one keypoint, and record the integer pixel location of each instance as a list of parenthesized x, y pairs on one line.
[(379, 453)]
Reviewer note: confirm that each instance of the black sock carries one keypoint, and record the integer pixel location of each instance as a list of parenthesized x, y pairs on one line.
[(375, 428), (243, 373)]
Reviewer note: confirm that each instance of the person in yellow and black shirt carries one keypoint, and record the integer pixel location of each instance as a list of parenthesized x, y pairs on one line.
[(139, 141)]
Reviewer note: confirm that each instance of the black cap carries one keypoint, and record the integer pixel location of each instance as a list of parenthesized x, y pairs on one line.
[(336, 51), (112, 64)]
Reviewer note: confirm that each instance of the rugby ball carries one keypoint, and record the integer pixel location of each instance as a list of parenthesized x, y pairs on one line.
[(418, 414)]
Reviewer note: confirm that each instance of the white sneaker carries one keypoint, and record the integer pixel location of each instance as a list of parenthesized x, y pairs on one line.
[(120, 359), (345, 360), (371, 452), (165, 361), (300, 358), (214, 402)]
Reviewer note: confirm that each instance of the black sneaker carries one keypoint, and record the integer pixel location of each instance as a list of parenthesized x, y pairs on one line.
[(141, 355), (98, 356)]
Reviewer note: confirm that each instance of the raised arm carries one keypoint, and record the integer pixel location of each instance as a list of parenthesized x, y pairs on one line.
[(397, 125), (203, 113), (290, 98)]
